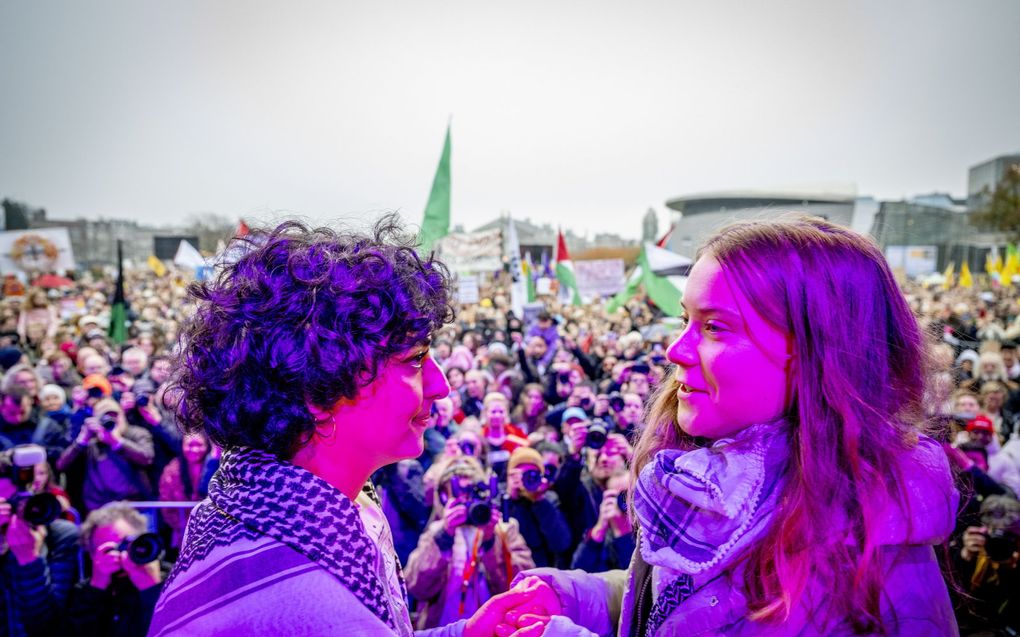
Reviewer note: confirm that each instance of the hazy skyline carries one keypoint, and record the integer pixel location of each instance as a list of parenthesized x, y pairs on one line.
[(579, 113)]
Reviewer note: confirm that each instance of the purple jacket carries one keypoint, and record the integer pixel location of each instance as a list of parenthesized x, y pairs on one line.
[(915, 600)]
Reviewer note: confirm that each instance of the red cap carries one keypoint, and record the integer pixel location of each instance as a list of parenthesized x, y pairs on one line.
[(981, 423)]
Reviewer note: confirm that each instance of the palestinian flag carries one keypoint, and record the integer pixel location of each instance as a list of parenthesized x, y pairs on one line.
[(565, 273)]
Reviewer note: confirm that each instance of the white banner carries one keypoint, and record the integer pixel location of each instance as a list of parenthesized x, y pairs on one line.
[(471, 251), (913, 260), (40, 250), (599, 277), (467, 289)]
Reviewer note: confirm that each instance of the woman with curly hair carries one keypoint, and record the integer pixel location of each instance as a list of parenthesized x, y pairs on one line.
[(783, 485), (307, 361)]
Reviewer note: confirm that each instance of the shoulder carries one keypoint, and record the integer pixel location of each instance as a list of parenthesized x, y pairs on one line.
[(248, 585)]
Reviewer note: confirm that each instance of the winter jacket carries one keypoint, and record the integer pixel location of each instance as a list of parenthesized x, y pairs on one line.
[(112, 474), (34, 594), (542, 526), (434, 572), (914, 600), (120, 610)]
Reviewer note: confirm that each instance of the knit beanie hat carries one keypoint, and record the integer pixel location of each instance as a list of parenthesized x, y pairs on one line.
[(524, 455)]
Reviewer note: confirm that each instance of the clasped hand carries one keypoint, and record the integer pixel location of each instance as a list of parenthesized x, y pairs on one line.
[(523, 611)]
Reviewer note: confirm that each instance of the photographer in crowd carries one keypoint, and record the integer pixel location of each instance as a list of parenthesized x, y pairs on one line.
[(467, 554), (38, 551), (536, 508), (114, 454), (118, 599)]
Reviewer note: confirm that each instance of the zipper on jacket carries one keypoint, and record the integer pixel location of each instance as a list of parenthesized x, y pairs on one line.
[(642, 623)]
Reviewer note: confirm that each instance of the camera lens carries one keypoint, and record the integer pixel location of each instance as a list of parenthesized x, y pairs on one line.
[(467, 448), (108, 421), (479, 513), (531, 479), (143, 549), (586, 403), (39, 510), (616, 401), (142, 400), (596, 438), (1000, 545), (564, 377)]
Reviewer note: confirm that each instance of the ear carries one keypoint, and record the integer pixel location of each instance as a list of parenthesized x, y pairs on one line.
[(321, 416)]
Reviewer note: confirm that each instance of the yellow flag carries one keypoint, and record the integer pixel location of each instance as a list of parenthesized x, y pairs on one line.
[(948, 274), (966, 280), (990, 268), (157, 266), (1009, 270)]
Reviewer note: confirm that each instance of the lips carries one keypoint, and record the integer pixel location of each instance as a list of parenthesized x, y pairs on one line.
[(687, 389)]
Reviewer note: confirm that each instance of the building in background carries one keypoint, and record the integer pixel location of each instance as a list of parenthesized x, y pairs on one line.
[(984, 177), (699, 216)]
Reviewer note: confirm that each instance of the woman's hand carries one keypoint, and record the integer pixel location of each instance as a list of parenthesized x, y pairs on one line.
[(530, 597)]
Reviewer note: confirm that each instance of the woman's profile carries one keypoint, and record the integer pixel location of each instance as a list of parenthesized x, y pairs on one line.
[(784, 484)]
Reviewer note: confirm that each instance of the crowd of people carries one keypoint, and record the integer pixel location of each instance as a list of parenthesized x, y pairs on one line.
[(526, 462)]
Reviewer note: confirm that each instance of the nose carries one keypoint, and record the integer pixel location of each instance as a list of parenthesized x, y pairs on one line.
[(682, 350), (436, 385)]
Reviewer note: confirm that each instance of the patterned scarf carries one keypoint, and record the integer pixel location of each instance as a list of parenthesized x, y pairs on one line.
[(291, 505), (700, 509)]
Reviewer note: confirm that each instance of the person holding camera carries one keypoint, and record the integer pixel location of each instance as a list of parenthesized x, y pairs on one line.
[(467, 554), (114, 455), (609, 544), (629, 411), (118, 599), (535, 507), (38, 551), (142, 409), (985, 566)]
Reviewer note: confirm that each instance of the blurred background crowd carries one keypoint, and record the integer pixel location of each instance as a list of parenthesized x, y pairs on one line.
[(525, 464)]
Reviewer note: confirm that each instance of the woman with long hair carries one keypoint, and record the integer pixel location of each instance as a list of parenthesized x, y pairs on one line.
[(783, 484)]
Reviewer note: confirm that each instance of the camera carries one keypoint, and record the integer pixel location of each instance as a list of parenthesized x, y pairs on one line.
[(109, 421), (480, 498), (1000, 544), (37, 509), (616, 401), (563, 377), (621, 501), (142, 401), (531, 480), (467, 447), (142, 549), (597, 433), (587, 403)]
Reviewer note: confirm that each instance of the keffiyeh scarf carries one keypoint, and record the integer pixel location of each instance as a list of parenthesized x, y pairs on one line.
[(700, 509), (293, 506)]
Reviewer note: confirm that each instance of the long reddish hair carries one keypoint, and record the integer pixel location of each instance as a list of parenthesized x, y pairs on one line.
[(855, 405)]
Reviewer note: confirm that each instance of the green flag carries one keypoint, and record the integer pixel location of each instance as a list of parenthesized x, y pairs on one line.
[(627, 292), (436, 224), (118, 312), (659, 288)]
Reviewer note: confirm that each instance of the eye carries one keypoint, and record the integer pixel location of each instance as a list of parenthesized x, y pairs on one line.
[(713, 328), (418, 359)]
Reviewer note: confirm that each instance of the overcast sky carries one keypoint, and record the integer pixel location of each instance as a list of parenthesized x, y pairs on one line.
[(583, 113)]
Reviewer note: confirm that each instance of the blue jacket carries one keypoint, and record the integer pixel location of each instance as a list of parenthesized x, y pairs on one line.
[(34, 595)]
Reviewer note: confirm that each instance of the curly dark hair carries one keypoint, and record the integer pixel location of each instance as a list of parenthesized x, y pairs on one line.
[(302, 316)]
